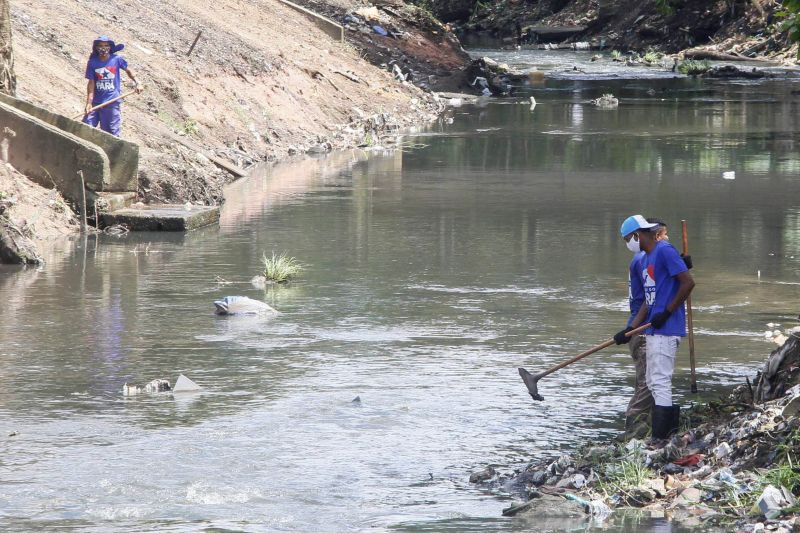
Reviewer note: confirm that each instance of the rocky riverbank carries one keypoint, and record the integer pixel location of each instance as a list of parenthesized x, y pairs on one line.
[(745, 30), (732, 465)]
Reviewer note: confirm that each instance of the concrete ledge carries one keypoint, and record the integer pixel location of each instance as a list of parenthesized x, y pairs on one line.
[(324, 23), (51, 156), (162, 217), (123, 155)]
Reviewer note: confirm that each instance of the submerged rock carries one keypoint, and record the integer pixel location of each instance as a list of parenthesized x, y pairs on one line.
[(484, 475)]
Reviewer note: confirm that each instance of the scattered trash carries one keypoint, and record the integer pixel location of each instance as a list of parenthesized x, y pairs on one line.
[(771, 502), (184, 384), (241, 305), (729, 175), (722, 450), (607, 101), (155, 386), (380, 31), (356, 400)]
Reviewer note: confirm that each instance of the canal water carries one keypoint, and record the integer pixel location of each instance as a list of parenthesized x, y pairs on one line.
[(486, 242)]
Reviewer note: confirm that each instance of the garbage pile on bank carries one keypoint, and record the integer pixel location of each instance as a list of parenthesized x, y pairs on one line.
[(736, 462)]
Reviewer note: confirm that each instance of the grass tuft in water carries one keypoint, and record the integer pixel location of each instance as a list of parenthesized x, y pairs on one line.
[(690, 67), (652, 56), (280, 268)]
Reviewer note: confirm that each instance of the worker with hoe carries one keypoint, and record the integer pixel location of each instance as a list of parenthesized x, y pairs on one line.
[(662, 276), (104, 84)]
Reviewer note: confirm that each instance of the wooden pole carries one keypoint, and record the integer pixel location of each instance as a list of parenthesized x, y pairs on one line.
[(689, 316), (191, 48), (83, 201)]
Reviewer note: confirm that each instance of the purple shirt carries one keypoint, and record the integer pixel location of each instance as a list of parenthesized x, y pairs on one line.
[(659, 270), (107, 84)]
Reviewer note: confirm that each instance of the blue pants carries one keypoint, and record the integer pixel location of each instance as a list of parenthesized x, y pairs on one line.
[(109, 118)]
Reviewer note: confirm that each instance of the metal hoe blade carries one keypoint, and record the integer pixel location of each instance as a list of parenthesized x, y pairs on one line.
[(531, 382)]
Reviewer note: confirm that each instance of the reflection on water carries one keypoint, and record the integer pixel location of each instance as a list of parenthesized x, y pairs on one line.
[(431, 275)]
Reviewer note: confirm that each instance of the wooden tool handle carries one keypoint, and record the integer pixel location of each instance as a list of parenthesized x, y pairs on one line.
[(590, 351), (104, 104)]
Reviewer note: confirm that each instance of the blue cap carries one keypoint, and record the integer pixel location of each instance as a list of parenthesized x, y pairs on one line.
[(633, 223)]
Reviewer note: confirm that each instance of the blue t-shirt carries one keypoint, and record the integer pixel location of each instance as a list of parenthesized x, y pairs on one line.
[(658, 271), (635, 287), (106, 76)]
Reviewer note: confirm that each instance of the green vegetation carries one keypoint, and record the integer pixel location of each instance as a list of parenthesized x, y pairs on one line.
[(665, 7), (791, 12), (690, 67), (185, 127), (616, 55), (280, 268), (625, 475), (652, 56)]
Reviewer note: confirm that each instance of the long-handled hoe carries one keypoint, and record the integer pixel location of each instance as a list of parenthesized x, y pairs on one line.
[(532, 380)]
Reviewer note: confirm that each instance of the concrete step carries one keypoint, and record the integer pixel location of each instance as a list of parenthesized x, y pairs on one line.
[(165, 217)]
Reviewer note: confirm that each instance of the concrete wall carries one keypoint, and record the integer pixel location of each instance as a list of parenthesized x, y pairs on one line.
[(123, 156), (49, 155), (325, 24)]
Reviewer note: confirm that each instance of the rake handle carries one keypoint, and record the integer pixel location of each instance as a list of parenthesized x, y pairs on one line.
[(590, 351), (104, 104)]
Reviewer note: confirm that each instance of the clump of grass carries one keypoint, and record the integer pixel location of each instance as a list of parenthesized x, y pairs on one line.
[(652, 56), (616, 55), (690, 67), (625, 475), (280, 268)]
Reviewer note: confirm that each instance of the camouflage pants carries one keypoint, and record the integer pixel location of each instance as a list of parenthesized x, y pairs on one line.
[(642, 400)]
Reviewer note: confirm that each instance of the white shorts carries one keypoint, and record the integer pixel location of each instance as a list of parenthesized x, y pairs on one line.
[(661, 350)]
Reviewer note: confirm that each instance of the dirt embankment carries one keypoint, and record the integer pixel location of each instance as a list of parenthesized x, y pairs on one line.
[(750, 29), (263, 82)]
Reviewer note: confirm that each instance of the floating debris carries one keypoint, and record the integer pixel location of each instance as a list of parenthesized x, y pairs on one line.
[(242, 305), (155, 386)]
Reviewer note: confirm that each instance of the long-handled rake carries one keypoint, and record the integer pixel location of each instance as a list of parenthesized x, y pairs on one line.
[(532, 380)]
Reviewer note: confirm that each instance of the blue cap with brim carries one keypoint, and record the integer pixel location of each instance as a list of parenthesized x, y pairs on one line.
[(633, 223), (105, 39)]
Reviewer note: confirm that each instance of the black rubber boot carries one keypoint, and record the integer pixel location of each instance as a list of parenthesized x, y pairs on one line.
[(662, 421), (675, 419)]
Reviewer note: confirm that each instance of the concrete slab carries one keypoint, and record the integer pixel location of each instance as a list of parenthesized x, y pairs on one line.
[(123, 156), (167, 217), (51, 156)]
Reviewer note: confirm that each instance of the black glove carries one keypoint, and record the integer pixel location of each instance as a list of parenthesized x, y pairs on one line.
[(660, 319), (687, 259), (621, 338)]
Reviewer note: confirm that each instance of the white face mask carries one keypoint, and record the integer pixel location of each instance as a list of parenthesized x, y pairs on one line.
[(633, 244)]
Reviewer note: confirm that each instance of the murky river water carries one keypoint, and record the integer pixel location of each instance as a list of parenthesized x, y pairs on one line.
[(432, 273)]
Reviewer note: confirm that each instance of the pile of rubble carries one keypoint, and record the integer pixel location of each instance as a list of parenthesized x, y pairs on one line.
[(732, 465)]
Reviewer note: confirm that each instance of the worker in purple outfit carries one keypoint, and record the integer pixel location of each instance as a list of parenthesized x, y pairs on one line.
[(104, 84), (666, 282)]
